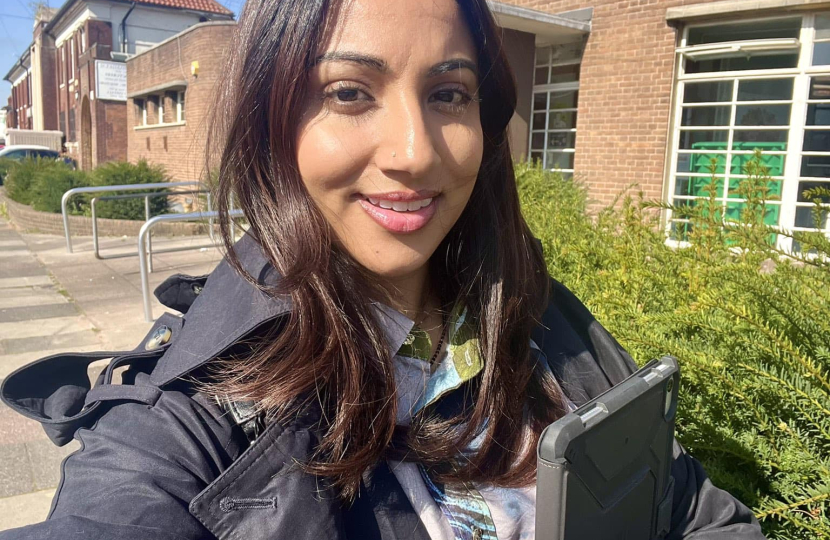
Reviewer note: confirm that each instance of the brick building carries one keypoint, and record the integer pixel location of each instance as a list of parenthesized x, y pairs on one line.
[(73, 77), (615, 92), (169, 91)]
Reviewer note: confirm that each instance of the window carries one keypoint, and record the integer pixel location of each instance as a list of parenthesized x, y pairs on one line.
[(159, 109), (141, 112), (180, 106), (554, 109), (62, 67), (72, 58), (747, 86)]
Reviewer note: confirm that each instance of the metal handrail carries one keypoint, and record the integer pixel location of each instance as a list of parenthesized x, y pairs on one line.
[(146, 197), (103, 189), (144, 234)]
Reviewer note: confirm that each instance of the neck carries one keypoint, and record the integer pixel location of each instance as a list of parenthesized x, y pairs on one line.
[(410, 294)]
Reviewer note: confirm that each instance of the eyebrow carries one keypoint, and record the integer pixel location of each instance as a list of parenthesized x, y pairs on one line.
[(381, 66)]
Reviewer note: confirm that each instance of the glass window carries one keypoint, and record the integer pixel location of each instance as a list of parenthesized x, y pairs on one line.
[(555, 101), (180, 107), (707, 92), (721, 33), (765, 89)]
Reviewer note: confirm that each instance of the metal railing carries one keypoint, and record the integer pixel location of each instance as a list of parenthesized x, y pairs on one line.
[(143, 238), (146, 197), (104, 189)]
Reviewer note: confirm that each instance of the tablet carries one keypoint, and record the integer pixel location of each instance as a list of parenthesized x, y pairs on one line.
[(604, 469)]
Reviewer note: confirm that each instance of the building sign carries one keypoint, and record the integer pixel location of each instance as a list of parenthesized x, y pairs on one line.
[(111, 80)]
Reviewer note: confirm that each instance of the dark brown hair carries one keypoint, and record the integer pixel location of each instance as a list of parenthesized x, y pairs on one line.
[(331, 349)]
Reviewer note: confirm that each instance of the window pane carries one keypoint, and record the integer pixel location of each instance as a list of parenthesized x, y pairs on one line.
[(540, 101), (764, 140), (701, 163), (541, 76), (536, 156), (816, 141), (557, 140), (695, 186), (562, 120), (821, 54), (775, 163), (742, 63), (705, 116), (762, 115), (816, 166), (805, 186), (564, 100), (560, 160), (707, 92), (822, 27), (537, 141), (680, 230), (820, 87), (765, 90), (539, 120), (818, 114), (805, 217), (789, 28), (704, 140), (561, 74), (734, 209)]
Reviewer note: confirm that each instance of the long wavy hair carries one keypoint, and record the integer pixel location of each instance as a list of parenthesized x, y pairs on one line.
[(331, 350)]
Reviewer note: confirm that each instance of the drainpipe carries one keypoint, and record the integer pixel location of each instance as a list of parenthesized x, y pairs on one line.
[(124, 29)]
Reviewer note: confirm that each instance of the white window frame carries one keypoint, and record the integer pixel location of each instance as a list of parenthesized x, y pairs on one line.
[(72, 59), (547, 89), (180, 111), (160, 110), (63, 67), (801, 75)]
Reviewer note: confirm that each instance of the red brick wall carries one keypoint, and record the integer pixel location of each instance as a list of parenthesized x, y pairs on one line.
[(625, 94), (179, 148)]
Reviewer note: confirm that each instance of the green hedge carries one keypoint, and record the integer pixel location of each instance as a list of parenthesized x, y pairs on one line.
[(750, 326), (42, 182), (5, 165)]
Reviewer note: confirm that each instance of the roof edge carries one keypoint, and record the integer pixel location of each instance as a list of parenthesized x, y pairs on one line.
[(183, 32)]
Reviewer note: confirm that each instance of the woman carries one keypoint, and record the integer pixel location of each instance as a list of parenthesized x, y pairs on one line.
[(363, 365)]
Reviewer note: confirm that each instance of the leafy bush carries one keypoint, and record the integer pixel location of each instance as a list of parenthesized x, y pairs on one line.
[(749, 324), (5, 165), (21, 177), (50, 184), (121, 173)]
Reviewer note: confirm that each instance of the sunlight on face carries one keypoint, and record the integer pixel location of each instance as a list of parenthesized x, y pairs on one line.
[(391, 142)]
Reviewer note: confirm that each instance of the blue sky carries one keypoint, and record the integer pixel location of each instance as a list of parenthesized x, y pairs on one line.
[(16, 21)]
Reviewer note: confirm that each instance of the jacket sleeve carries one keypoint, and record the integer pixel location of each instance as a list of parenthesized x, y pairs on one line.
[(701, 511), (137, 470)]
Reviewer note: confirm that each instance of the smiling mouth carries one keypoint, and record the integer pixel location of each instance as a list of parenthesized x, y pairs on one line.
[(400, 206)]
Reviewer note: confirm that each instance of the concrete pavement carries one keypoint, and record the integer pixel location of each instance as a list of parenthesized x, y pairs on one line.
[(52, 301)]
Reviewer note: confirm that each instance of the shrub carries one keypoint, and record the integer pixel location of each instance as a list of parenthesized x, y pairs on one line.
[(50, 184), (21, 176), (5, 165), (121, 173), (750, 326)]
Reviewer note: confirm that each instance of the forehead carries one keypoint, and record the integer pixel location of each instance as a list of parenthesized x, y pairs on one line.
[(401, 29)]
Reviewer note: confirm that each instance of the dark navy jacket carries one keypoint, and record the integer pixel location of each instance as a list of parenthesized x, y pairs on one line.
[(159, 461)]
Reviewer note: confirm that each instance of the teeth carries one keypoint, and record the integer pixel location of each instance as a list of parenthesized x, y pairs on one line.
[(400, 206)]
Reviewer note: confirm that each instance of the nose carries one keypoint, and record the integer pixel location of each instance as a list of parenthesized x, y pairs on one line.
[(406, 144)]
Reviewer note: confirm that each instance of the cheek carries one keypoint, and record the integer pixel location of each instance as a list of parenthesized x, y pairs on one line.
[(327, 164)]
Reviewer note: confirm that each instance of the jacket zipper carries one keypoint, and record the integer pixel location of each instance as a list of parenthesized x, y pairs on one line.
[(230, 504)]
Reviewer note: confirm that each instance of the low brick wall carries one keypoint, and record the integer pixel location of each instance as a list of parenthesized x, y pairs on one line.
[(45, 222)]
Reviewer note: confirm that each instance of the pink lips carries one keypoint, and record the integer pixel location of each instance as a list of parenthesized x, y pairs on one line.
[(400, 222)]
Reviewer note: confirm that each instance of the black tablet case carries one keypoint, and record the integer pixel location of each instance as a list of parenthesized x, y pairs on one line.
[(604, 469)]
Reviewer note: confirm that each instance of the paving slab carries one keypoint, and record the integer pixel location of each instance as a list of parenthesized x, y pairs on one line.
[(22, 510), (24, 281)]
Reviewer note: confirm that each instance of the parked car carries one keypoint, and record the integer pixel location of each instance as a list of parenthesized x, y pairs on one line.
[(19, 152)]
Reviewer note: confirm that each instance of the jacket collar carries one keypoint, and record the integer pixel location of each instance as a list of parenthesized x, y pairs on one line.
[(229, 307)]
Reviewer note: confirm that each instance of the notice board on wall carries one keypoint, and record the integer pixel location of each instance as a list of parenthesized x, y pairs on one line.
[(111, 80)]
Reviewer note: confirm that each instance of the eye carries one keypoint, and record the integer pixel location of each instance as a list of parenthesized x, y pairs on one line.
[(348, 94), (452, 100)]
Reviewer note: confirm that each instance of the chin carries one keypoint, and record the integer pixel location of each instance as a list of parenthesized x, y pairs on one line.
[(394, 262)]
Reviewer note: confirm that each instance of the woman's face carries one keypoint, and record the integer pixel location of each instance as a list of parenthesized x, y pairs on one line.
[(391, 142)]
